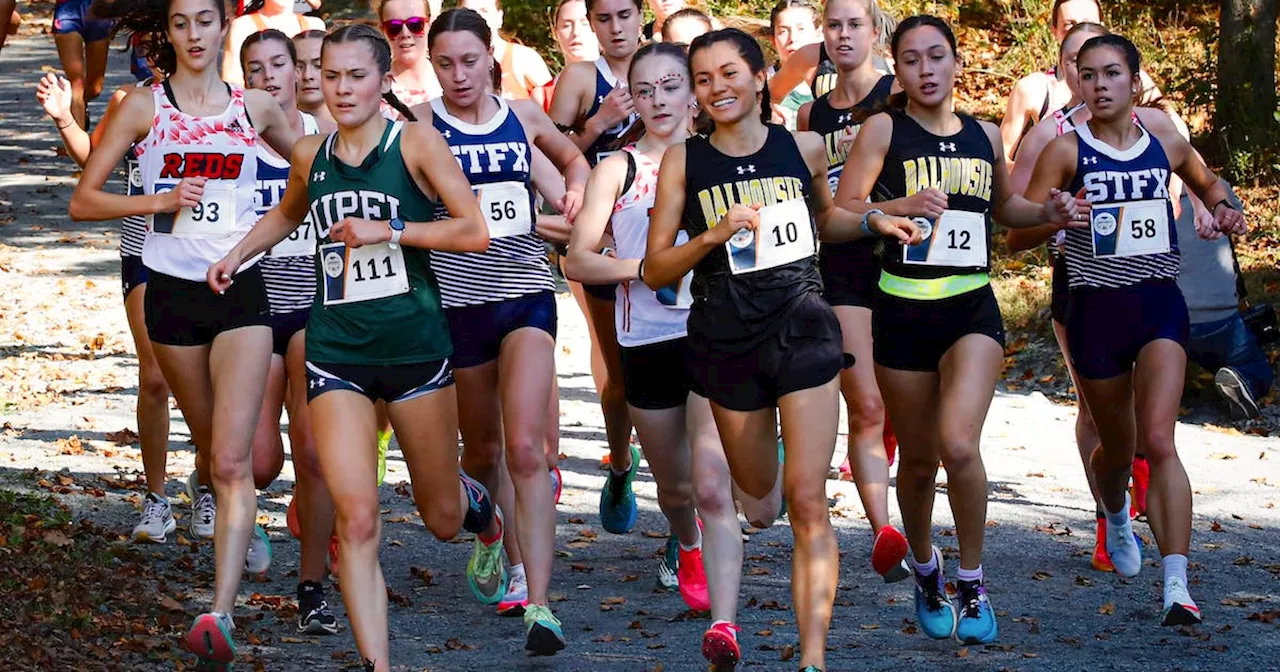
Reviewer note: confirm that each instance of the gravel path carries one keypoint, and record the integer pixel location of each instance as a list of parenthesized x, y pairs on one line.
[(67, 386)]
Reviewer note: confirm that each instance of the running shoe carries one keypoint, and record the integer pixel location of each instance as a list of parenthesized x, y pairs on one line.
[(890, 441), (480, 508), (557, 482), (384, 442), (693, 580), (669, 568), (333, 558), (720, 645), (1101, 561), (314, 615), (1124, 549), (1234, 389), (517, 597), (204, 508), (977, 624), (782, 462), (486, 573), (934, 611), (1179, 608), (618, 509), (156, 522), (888, 555), (1141, 482), (543, 636), (811, 668), (291, 518), (257, 559), (210, 638)]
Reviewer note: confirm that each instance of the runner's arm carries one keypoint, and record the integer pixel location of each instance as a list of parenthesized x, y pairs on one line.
[(561, 151), (89, 201), (269, 120), (567, 103), (836, 224), (796, 70), (433, 167), (584, 262), (1017, 113)]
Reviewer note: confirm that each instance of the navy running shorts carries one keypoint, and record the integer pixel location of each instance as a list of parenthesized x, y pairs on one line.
[(1107, 328), (391, 384), (284, 326), (133, 274), (72, 16), (850, 272), (478, 331)]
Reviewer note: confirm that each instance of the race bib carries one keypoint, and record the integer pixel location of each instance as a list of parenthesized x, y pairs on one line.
[(785, 235), (299, 243), (676, 296), (833, 178), (506, 208), (363, 273), (213, 217), (958, 238), (1131, 229)]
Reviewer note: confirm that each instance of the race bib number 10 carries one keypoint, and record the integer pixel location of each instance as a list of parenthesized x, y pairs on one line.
[(785, 235), (1131, 229), (213, 217), (506, 208), (363, 273), (957, 238)]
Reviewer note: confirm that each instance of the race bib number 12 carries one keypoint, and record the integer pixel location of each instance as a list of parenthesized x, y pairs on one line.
[(957, 238), (363, 273), (785, 235)]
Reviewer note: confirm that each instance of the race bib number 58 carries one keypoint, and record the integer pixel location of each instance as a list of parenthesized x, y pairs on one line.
[(363, 273), (1131, 229), (785, 235)]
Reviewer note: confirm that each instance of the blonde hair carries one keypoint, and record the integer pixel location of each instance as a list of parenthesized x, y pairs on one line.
[(882, 22)]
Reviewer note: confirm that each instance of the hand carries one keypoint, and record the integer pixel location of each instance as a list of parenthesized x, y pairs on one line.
[(738, 217), (928, 203), (553, 228), (1229, 220), (219, 274), (570, 204), (186, 195), (1206, 226), (615, 109), (903, 229), (54, 94), (356, 232), (846, 140), (1065, 211)]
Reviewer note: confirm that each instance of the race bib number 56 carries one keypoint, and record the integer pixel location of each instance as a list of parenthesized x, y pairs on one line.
[(506, 208), (785, 235), (363, 273)]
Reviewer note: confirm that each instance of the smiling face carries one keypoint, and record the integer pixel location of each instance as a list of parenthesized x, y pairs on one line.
[(617, 27), (353, 86), (407, 47), (268, 66), (794, 28), (660, 89), (849, 32), (196, 30), (573, 33), (1106, 83), (464, 66), (926, 66), (309, 92), (724, 84)]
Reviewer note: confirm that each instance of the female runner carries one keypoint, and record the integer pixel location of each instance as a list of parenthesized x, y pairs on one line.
[(849, 270), (310, 96), (358, 185), (938, 338), (194, 136), (152, 411), (1127, 322), (752, 197), (277, 14), (593, 105), (405, 24), (501, 305), (524, 73), (288, 271)]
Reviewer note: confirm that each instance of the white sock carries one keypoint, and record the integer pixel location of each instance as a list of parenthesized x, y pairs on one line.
[(1175, 565), (516, 573), (696, 545), (1121, 519), (963, 574), (926, 568)]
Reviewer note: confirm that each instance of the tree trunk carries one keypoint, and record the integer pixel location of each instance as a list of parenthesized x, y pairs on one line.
[(1245, 109)]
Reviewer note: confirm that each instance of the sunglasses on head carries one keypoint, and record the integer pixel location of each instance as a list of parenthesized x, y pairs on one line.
[(416, 25)]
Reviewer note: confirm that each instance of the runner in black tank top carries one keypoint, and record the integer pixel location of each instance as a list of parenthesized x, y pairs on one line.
[(752, 198), (850, 270), (935, 306)]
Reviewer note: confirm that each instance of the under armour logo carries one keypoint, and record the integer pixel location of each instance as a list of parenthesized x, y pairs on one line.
[(1089, 161), (599, 100), (743, 170), (946, 146), (316, 382), (845, 118), (448, 134), (317, 176)]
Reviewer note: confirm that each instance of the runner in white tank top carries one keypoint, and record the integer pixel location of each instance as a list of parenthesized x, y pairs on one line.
[(672, 417), (196, 148)]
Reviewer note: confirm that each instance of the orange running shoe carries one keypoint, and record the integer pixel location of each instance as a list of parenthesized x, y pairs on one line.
[(1101, 560), (890, 440), (1138, 492), (291, 518), (887, 552), (720, 645)]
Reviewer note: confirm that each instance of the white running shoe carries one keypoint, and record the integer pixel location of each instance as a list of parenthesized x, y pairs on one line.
[(1122, 546), (258, 557), (157, 520), (1179, 608), (204, 509)]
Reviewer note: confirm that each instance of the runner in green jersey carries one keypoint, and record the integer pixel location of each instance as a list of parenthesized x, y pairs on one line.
[(377, 330)]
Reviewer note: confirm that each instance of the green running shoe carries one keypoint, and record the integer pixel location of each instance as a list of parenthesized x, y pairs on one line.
[(543, 636), (384, 442), (486, 573)]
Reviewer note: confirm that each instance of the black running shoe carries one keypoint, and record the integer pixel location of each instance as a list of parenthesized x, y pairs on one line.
[(314, 616)]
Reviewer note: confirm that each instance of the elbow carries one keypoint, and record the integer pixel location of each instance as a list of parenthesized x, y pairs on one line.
[(77, 209), (479, 240)]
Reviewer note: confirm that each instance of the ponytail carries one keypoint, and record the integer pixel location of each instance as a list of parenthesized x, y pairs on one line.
[(399, 106)]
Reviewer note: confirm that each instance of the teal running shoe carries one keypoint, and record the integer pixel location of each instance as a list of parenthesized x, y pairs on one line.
[(618, 510)]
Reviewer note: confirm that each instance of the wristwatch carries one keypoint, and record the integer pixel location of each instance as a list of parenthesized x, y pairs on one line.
[(397, 230)]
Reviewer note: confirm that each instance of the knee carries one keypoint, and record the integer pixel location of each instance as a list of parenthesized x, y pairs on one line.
[(444, 519), (713, 496), (266, 471), (677, 495), (866, 410), (482, 458), (151, 383), (807, 505), (960, 454), (1157, 445), (358, 521), (305, 461), (915, 470), (229, 469), (525, 458), (93, 89), (612, 393)]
